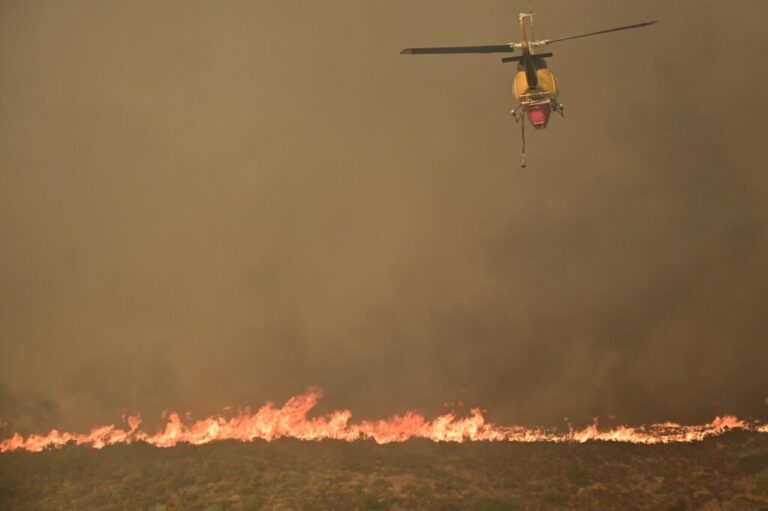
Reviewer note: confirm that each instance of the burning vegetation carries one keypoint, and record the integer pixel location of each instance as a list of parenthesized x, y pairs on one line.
[(292, 421)]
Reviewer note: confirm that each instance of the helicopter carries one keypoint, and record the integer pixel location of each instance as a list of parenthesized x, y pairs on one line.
[(535, 87)]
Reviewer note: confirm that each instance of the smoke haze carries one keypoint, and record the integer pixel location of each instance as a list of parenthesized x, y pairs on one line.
[(206, 204)]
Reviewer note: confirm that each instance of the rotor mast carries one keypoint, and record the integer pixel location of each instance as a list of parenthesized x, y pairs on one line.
[(530, 71), (525, 41)]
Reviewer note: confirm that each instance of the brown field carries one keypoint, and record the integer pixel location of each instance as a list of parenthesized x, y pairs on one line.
[(728, 473)]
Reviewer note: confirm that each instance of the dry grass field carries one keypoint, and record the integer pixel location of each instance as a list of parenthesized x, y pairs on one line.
[(728, 473)]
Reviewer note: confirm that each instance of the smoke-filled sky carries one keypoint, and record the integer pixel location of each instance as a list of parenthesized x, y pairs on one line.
[(206, 204)]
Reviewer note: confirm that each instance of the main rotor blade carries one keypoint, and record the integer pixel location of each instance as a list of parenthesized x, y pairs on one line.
[(550, 41), (448, 50)]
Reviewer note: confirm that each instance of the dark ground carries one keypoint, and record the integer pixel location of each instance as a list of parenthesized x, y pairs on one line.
[(729, 473)]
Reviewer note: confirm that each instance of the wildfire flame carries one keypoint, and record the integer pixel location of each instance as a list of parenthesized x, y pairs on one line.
[(291, 421)]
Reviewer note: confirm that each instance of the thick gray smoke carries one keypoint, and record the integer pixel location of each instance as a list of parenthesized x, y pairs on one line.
[(206, 204)]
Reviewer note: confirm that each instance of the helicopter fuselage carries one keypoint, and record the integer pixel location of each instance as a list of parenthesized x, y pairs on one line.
[(537, 99)]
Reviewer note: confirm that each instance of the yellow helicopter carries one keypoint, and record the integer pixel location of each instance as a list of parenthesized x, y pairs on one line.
[(535, 87)]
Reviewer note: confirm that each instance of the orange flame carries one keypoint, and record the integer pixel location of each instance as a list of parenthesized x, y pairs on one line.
[(291, 421)]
